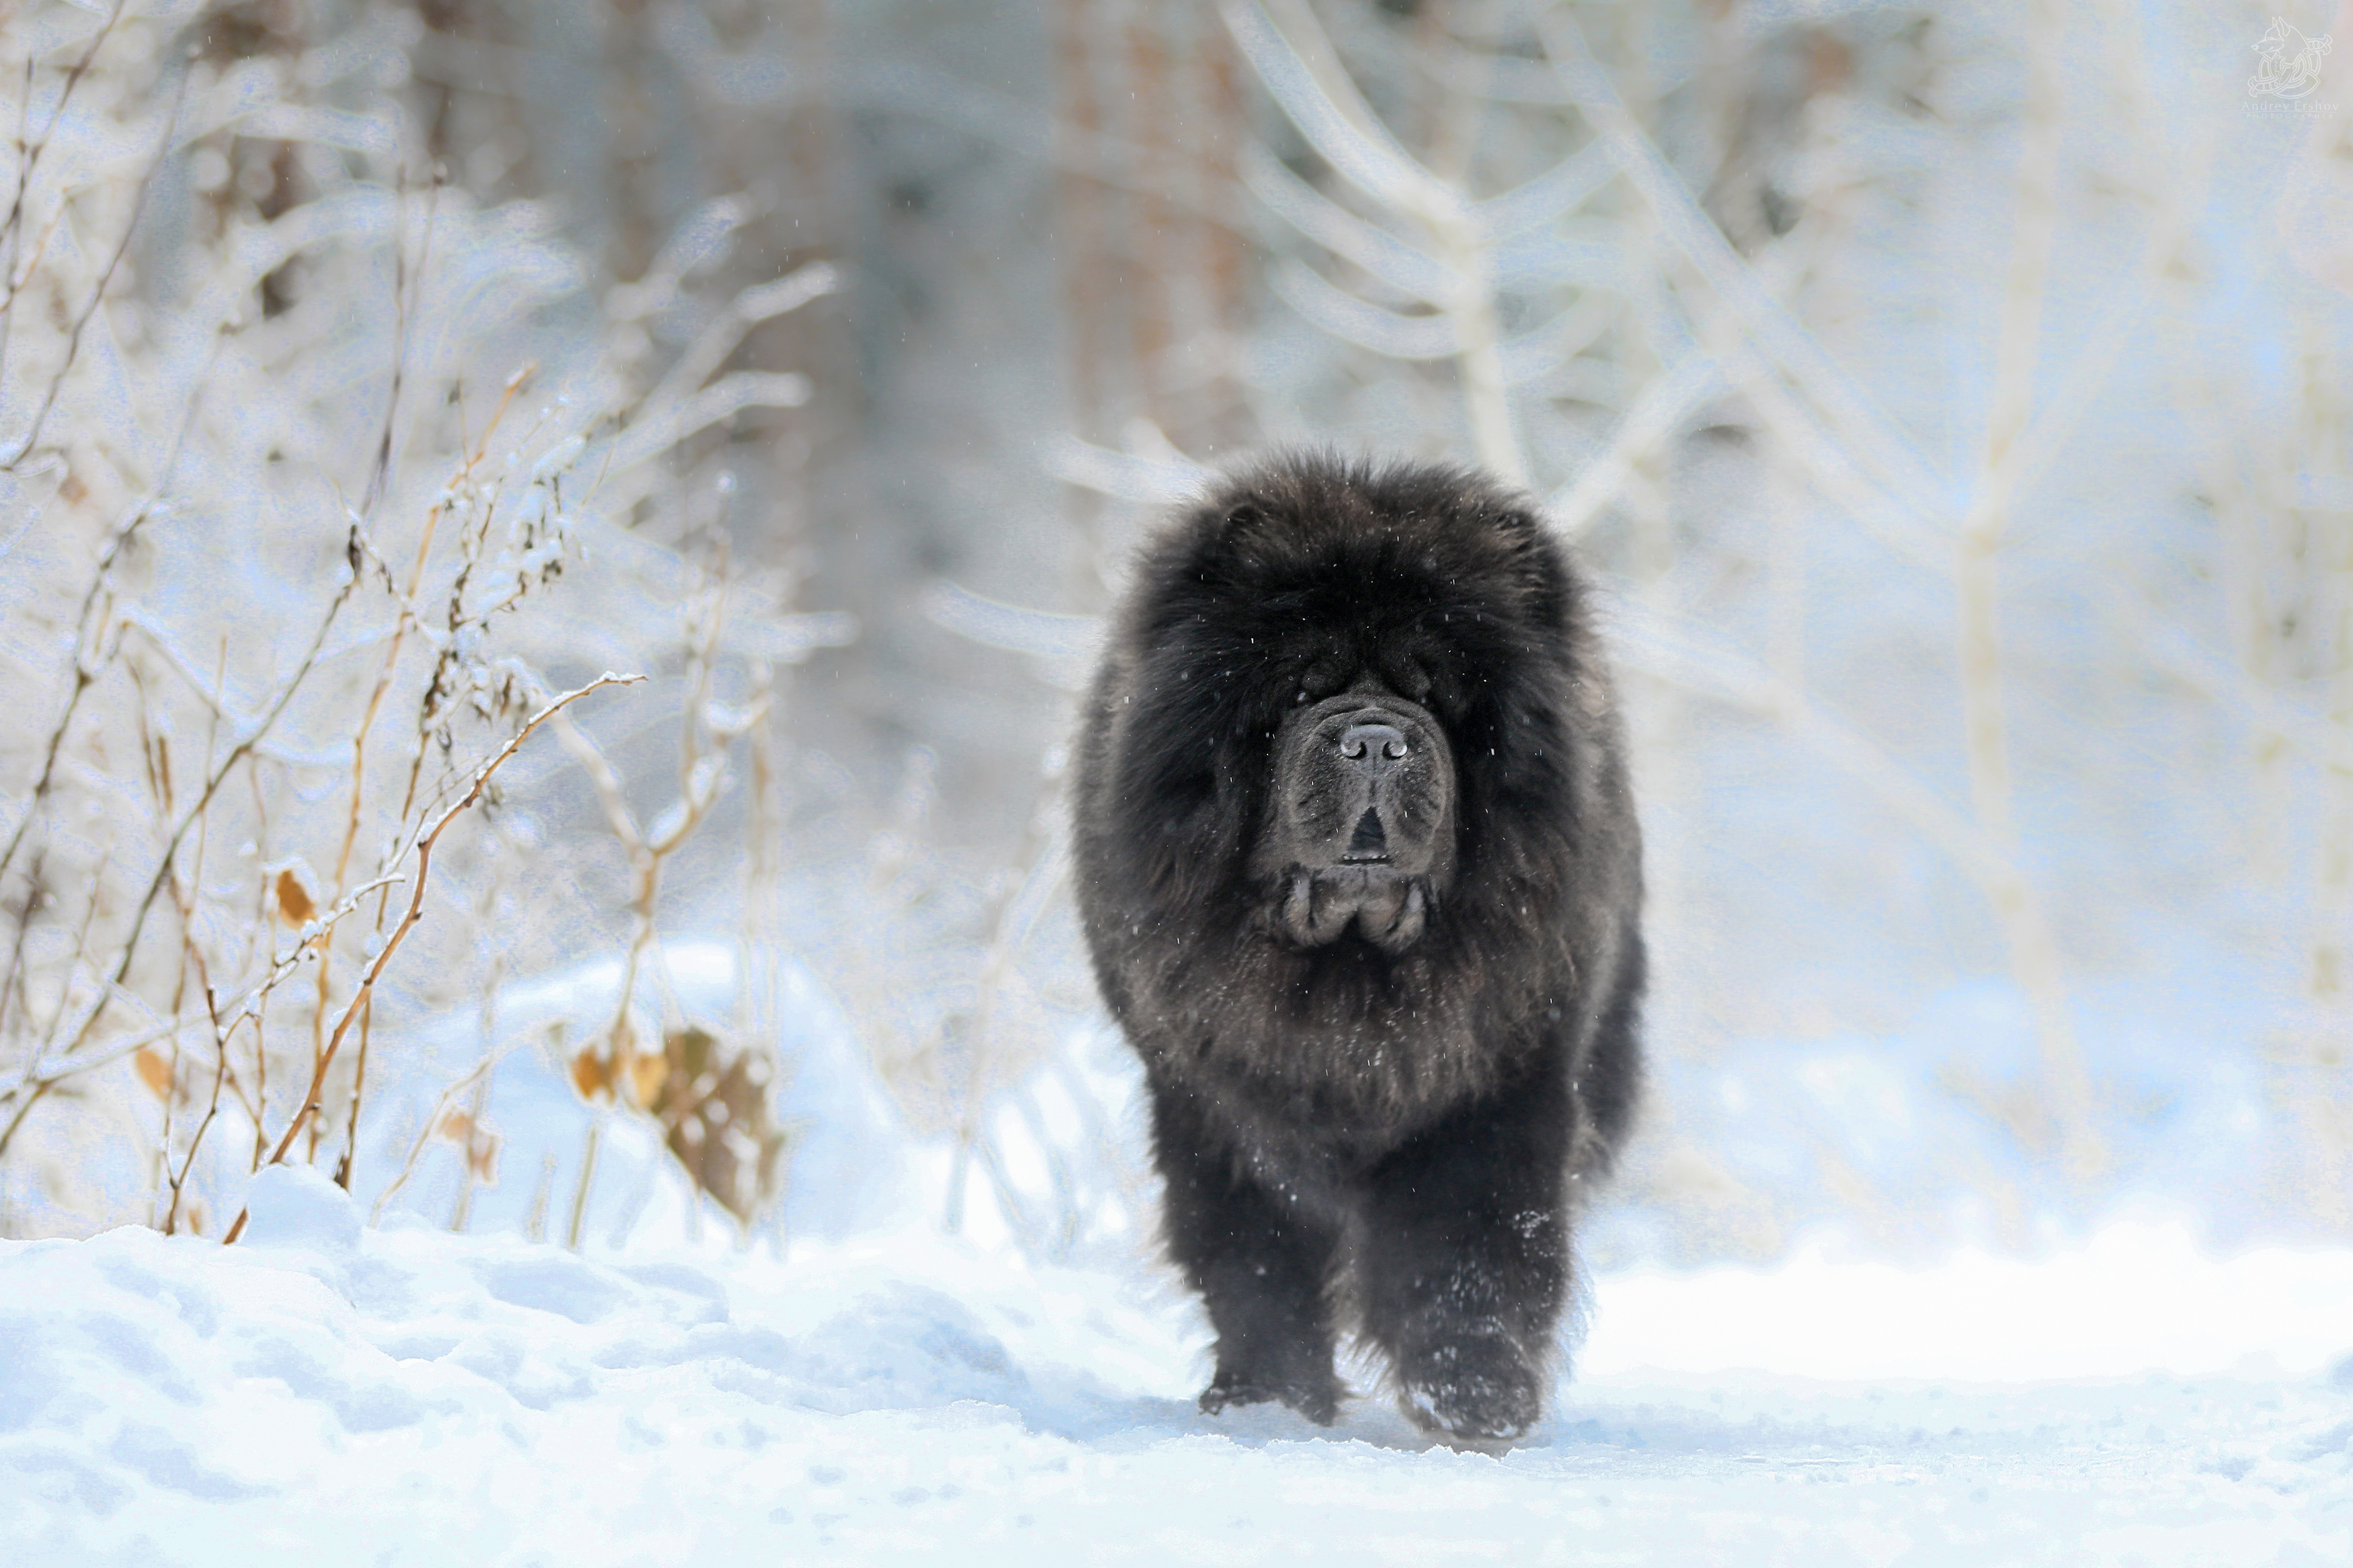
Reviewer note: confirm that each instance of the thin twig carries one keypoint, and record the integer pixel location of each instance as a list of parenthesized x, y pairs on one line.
[(30, 158), (97, 295), (220, 1073), (380, 475), (474, 1075), (84, 674)]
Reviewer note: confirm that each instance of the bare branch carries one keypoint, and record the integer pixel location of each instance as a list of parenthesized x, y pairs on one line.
[(98, 294)]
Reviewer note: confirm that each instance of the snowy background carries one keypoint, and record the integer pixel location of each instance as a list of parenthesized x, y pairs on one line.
[(685, 1126)]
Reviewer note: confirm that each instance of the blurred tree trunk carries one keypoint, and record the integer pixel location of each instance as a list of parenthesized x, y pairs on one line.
[(1152, 252)]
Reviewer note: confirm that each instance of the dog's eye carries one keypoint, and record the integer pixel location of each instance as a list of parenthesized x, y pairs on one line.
[(1318, 680)]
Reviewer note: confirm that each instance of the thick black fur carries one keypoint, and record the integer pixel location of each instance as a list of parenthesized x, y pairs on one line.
[(1386, 1057)]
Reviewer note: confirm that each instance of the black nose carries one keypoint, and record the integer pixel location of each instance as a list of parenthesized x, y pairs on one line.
[(1372, 747)]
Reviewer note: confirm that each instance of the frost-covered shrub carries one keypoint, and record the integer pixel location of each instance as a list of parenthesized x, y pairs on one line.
[(317, 479)]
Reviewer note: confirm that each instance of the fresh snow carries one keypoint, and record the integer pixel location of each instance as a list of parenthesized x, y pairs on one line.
[(327, 1392)]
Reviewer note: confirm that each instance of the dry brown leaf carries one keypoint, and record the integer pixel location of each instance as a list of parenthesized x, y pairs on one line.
[(646, 1076), (715, 1119), (477, 1139), (295, 905), (591, 1077), (155, 1071)]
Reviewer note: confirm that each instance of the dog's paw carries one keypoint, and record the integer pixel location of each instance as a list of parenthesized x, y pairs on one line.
[(1319, 1403), (1480, 1390)]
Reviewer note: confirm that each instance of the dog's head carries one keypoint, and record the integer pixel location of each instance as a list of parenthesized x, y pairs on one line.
[(1344, 709)]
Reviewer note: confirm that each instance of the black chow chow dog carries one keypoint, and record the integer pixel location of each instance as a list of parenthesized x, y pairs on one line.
[(1362, 881)]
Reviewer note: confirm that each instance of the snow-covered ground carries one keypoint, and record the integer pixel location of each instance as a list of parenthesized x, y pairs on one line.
[(328, 1393)]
